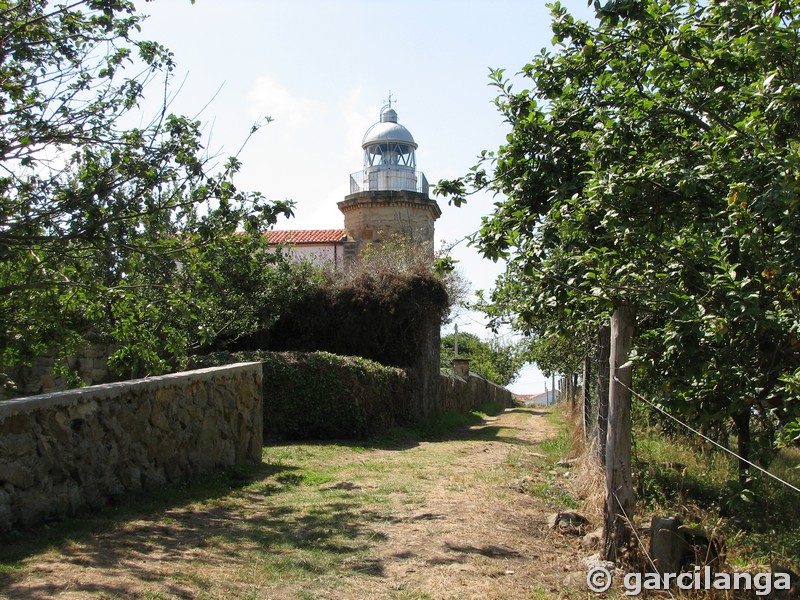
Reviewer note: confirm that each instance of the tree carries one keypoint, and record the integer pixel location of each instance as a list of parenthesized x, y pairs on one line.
[(653, 163), (492, 359), (99, 222)]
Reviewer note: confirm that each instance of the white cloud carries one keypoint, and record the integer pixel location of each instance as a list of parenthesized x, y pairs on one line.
[(291, 112), (308, 152)]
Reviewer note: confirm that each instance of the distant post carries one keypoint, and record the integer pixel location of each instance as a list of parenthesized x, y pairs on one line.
[(619, 485), (603, 351), (461, 367), (587, 398)]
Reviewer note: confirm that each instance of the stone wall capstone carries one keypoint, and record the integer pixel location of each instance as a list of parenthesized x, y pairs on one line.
[(67, 451)]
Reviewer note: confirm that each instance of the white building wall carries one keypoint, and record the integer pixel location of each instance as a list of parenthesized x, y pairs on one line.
[(323, 255)]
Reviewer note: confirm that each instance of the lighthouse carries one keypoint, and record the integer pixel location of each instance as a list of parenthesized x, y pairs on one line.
[(389, 196)]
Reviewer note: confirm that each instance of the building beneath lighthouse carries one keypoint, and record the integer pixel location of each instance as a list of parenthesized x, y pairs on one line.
[(388, 197)]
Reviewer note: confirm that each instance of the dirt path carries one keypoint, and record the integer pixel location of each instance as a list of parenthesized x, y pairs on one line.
[(453, 518), (477, 534)]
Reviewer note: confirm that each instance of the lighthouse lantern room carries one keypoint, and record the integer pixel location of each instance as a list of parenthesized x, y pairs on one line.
[(390, 160)]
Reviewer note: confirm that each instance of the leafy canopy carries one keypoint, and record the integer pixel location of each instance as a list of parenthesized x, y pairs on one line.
[(108, 230), (654, 162), (492, 359)]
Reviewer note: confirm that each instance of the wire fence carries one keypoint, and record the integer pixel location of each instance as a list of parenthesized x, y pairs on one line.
[(700, 435), (705, 437), (639, 541)]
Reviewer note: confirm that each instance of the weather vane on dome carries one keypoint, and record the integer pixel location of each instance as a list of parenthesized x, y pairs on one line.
[(390, 100)]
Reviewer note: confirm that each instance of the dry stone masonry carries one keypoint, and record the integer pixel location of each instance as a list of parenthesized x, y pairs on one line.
[(66, 451), (90, 364), (462, 392)]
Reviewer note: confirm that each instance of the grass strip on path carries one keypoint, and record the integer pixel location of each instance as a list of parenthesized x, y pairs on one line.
[(431, 512)]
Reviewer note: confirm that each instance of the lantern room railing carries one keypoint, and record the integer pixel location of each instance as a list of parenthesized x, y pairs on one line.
[(384, 178)]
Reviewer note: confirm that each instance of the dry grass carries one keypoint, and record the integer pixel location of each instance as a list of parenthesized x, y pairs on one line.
[(588, 478), (673, 477), (590, 484)]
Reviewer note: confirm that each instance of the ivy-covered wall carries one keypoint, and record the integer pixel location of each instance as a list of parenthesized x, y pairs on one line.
[(393, 318), (320, 395), (386, 317)]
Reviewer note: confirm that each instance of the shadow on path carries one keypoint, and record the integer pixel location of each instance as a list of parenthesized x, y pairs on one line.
[(204, 517)]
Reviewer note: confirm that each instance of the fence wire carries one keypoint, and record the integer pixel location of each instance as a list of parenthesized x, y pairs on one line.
[(645, 551), (705, 437)]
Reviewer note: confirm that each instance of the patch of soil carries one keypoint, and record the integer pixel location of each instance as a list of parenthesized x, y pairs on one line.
[(483, 540)]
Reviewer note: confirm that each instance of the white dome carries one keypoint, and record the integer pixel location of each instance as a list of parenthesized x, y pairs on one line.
[(387, 130)]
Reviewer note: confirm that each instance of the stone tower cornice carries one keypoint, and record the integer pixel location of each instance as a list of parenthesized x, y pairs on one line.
[(399, 198)]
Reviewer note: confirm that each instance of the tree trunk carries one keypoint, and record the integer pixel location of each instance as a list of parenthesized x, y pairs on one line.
[(742, 422), (603, 350), (619, 485)]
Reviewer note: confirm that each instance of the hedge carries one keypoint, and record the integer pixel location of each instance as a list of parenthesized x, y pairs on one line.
[(319, 395)]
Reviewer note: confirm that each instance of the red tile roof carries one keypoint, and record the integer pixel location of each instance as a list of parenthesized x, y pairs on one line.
[(306, 236)]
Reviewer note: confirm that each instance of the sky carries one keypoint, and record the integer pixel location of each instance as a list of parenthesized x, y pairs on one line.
[(322, 70)]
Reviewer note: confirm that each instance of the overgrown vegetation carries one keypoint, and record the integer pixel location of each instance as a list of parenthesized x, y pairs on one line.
[(403, 254), (110, 232), (325, 396), (681, 475), (385, 317), (385, 307)]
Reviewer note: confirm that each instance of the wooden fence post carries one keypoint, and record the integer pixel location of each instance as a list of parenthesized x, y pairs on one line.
[(587, 398), (573, 397), (603, 350), (620, 496)]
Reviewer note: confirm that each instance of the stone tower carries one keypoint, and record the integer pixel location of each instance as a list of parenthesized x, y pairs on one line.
[(389, 196)]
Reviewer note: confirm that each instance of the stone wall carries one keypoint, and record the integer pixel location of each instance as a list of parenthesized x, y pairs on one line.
[(425, 372), (460, 394), (318, 395), (66, 451), (90, 364)]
